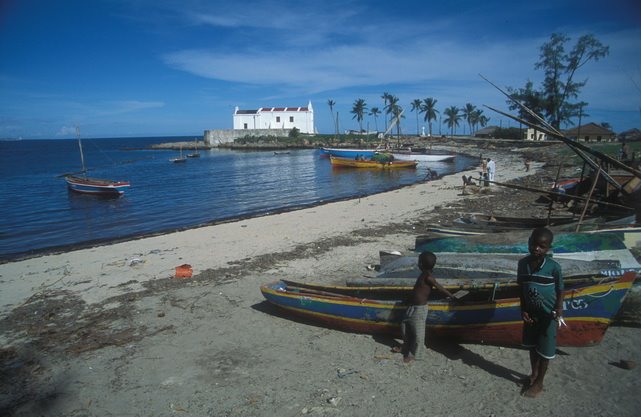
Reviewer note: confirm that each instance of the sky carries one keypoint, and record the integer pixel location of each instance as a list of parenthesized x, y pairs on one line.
[(123, 68)]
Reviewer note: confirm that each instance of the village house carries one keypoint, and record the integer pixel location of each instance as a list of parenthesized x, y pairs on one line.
[(301, 118), (533, 134), (590, 132), (264, 121)]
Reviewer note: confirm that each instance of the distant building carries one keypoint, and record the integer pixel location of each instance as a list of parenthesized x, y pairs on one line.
[(590, 132), (486, 132), (269, 118), (630, 134), (533, 134)]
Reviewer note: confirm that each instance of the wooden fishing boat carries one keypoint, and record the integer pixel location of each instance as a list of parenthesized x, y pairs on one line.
[(353, 163), (596, 245), (588, 311), (508, 222), (481, 266), (592, 225), (95, 186), (348, 152), (195, 153), (180, 159), (422, 157)]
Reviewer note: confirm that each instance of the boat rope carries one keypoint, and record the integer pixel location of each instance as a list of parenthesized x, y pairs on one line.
[(602, 295), (496, 286)]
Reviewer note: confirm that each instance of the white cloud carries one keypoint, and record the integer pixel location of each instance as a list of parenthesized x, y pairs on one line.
[(128, 106), (67, 131)]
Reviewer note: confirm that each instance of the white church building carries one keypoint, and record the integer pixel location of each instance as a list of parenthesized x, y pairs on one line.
[(287, 118)]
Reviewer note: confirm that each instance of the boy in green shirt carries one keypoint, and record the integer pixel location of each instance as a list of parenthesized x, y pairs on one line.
[(541, 291)]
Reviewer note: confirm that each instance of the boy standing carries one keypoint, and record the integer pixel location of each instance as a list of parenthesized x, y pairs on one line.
[(413, 324), (541, 291)]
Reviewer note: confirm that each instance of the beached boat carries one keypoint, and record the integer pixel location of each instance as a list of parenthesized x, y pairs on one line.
[(588, 311), (353, 163), (509, 222), (95, 186), (591, 225), (477, 267), (421, 157), (594, 245)]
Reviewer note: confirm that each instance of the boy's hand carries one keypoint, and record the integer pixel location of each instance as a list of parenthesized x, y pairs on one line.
[(454, 300), (526, 317)]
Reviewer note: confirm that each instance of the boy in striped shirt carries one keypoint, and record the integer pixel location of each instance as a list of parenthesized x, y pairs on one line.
[(541, 290)]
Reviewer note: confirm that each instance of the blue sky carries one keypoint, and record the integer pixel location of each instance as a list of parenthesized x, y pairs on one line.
[(178, 67)]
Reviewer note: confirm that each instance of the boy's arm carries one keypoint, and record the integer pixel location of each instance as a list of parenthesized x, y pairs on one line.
[(433, 283), (558, 287)]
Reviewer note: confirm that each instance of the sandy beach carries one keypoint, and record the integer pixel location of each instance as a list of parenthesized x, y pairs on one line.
[(109, 331)]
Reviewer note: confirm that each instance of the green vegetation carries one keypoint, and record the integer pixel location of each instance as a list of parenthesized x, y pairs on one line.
[(612, 149), (558, 89)]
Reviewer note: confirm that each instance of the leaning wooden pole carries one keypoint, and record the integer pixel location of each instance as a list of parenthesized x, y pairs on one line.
[(557, 194), (556, 183), (585, 208)]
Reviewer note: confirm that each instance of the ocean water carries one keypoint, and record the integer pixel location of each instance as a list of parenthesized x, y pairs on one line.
[(39, 214)]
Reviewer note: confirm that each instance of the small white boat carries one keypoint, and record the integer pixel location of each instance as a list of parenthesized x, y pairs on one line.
[(422, 157), (180, 159)]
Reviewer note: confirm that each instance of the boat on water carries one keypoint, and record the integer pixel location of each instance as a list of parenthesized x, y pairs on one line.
[(589, 308), (97, 186), (80, 183), (370, 163), (194, 154), (180, 159), (422, 157), (348, 152)]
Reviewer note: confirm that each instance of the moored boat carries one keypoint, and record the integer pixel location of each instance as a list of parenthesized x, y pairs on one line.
[(369, 163), (95, 186), (422, 157), (588, 311), (348, 152)]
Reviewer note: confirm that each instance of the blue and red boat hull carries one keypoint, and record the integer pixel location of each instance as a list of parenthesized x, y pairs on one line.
[(588, 311)]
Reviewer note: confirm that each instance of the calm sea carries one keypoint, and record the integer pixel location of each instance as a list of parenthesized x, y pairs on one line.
[(38, 213)]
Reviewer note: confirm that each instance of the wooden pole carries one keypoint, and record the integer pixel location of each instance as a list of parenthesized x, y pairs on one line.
[(556, 182), (557, 194), (585, 208)]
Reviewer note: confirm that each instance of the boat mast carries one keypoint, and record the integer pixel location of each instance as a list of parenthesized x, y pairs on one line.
[(82, 156)]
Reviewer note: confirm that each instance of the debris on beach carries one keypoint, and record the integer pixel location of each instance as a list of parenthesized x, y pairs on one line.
[(184, 271)]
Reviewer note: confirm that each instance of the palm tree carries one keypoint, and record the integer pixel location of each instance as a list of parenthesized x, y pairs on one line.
[(468, 112), (375, 112), (416, 106), (358, 110), (477, 118), (396, 114), (386, 96), (429, 108), (452, 118), (331, 104), (392, 102)]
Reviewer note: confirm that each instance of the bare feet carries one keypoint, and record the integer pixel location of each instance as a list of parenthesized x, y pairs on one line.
[(408, 358), (526, 382), (533, 391), (397, 349)]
